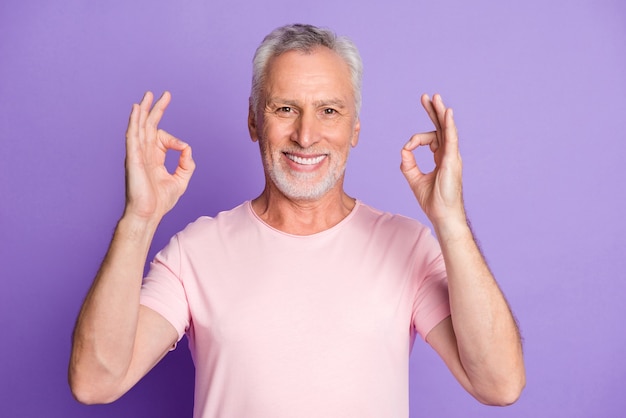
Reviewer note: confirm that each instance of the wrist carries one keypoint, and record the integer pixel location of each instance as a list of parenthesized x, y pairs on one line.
[(453, 229), (137, 228)]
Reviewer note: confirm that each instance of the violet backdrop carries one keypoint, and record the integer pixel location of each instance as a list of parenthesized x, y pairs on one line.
[(539, 92)]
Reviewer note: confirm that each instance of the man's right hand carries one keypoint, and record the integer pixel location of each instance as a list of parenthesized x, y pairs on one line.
[(151, 191), (116, 340)]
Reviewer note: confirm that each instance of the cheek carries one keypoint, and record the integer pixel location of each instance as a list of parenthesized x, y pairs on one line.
[(273, 133), (270, 153), (343, 137)]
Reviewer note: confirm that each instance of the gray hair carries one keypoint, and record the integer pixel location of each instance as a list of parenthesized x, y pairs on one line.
[(304, 38)]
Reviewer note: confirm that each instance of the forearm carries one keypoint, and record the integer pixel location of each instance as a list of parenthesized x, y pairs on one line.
[(106, 328), (487, 336)]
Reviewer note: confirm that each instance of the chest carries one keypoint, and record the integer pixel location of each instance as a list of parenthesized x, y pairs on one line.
[(312, 296)]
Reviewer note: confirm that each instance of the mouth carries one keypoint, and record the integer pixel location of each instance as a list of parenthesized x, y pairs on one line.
[(313, 160)]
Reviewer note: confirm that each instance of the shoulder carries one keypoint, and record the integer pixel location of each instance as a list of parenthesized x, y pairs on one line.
[(224, 223), (382, 221), (396, 232)]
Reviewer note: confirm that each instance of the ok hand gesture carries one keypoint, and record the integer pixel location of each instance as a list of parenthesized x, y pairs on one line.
[(151, 191), (440, 192)]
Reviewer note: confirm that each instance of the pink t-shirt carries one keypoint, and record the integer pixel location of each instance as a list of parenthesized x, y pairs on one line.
[(300, 326)]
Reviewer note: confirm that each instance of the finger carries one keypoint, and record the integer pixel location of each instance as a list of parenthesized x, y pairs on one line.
[(158, 109), (186, 165), (168, 141), (451, 132), (428, 105), (133, 122), (144, 110), (144, 106), (440, 108), (408, 165), (132, 136), (424, 138), (451, 135)]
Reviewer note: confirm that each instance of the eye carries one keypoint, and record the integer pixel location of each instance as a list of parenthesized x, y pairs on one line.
[(284, 109), (329, 111)]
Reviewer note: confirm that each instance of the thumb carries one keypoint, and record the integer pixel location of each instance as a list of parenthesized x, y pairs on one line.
[(186, 165), (409, 166)]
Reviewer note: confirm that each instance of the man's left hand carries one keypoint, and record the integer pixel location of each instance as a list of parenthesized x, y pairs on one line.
[(440, 192)]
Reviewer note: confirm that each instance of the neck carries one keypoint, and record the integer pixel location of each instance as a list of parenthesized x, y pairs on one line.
[(302, 217)]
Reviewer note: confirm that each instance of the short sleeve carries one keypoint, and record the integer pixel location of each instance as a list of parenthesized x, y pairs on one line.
[(431, 303), (162, 289)]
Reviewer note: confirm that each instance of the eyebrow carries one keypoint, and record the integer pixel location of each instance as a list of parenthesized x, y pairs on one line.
[(318, 103), (331, 102)]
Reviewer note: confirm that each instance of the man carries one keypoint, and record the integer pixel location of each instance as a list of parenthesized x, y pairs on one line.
[(303, 301)]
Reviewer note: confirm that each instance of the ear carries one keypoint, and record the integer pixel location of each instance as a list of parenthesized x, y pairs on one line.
[(355, 133), (252, 125)]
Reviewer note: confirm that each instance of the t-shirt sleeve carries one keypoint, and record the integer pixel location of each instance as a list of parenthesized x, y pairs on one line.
[(162, 289), (431, 304)]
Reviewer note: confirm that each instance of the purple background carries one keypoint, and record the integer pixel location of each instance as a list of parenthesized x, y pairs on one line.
[(538, 88)]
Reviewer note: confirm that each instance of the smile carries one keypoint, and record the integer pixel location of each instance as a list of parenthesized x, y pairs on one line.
[(305, 160)]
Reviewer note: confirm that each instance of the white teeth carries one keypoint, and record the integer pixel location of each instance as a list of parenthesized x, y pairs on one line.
[(305, 161)]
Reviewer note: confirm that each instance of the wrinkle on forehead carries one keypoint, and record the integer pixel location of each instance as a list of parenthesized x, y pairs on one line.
[(320, 77)]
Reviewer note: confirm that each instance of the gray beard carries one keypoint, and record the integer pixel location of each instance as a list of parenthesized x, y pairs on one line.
[(300, 187)]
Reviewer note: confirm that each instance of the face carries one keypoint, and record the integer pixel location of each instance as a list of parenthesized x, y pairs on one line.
[(306, 123)]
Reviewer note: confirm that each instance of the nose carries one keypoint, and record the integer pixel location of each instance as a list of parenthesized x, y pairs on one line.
[(306, 130)]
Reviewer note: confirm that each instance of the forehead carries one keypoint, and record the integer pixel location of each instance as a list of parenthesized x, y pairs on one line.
[(320, 70)]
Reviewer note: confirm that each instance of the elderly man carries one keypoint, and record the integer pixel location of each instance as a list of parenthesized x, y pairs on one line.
[(304, 301)]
